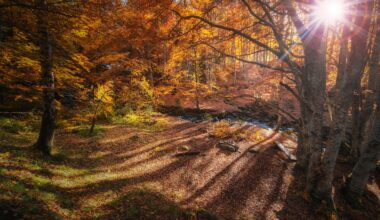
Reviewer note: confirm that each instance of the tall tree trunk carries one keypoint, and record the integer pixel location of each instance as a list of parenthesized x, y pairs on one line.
[(95, 113), (234, 61), (151, 77), (315, 87), (368, 159), (356, 123), (343, 51), (374, 66), (196, 74), (93, 122), (312, 88), (46, 135), (357, 62), (303, 148), (368, 106), (371, 144)]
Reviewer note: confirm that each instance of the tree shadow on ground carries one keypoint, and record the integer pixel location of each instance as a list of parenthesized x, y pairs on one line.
[(145, 204), (248, 186), (20, 199), (220, 174), (30, 209), (120, 151), (236, 185)]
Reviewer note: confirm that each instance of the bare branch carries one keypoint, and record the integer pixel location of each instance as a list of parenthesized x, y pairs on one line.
[(277, 68)]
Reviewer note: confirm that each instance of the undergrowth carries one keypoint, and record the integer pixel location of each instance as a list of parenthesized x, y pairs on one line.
[(142, 119)]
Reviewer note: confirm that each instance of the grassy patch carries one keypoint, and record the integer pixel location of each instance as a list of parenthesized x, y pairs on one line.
[(14, 126), (84, 131), (27, 123), (13, 139), (26, 189), (17, 201)]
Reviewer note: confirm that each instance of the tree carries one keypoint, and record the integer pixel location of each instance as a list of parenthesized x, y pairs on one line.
[(46, 135), (351, 82), (310, 77), (102, 102), (370, 145), (49, 26), (306, 58), (369, 157)]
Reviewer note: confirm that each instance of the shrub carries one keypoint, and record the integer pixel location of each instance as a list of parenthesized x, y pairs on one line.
[(223, 130), (141, 119)]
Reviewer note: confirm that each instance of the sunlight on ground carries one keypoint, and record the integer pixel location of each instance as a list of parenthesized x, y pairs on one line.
[(90, 177)]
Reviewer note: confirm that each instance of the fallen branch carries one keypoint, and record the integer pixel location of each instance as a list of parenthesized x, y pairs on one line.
[(13, 113), (189, 153), (290, 156)]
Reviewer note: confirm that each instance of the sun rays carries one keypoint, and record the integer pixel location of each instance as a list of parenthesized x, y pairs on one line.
[(329, 12)]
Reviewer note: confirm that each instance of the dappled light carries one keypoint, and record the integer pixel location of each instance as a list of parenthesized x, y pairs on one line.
[(189, 109)]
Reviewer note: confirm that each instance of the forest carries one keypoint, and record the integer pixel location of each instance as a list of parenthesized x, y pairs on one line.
[(190, 109)]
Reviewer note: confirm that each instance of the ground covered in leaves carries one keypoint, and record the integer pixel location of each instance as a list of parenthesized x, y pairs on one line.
[(134, 172)]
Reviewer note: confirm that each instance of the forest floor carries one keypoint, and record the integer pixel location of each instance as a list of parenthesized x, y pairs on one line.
[(129, 172), (132, 171)]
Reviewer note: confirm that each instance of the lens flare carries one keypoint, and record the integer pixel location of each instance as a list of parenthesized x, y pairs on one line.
[(329, 12)]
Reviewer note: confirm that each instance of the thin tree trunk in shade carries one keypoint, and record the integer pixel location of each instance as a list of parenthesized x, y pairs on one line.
[(46, 134), (196, 80)]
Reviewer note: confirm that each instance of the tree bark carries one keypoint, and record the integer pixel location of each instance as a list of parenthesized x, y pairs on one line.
[(151, 77), (368, 106), (367, 161), (356, 124), (343, 51), (93, 122), (371, 143), (196, 74), (46, 135), (303, 148), (315, 87), (311, 85), (343, 99)]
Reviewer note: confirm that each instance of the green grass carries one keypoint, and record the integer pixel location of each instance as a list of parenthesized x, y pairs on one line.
[(25, 184), (26, 123), (13, 126)]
